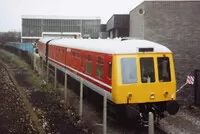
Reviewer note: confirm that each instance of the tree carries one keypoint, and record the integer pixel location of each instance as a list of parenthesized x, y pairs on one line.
[(11, 36)]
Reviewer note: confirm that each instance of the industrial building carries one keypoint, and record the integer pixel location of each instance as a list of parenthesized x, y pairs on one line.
[(118, 26), (103, 32), (34, 27)]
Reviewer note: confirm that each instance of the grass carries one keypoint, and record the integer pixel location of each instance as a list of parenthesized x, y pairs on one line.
[(36, 80)]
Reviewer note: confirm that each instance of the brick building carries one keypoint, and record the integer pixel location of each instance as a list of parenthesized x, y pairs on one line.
[(175, 24)]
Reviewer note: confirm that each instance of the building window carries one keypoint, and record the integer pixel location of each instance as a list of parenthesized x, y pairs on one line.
[(141, 11)]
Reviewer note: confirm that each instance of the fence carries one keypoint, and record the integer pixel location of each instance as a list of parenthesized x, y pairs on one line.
[(29, 47), (52, 73), (23, 50)]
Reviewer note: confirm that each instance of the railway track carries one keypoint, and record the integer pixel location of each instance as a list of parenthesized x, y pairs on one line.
[(130, 127), (158, 130), (25, 100)]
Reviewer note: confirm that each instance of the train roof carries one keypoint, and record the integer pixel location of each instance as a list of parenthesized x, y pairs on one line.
[(110, 46)]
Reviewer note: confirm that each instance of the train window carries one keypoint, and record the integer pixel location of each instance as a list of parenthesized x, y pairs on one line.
[(109, 70), (82, 61), (129, 70), (164, 69), (147, 70), (78, 55), (89, 67), (99, 60), (99, 70), (89, 58), (89, 64), (73, 54)]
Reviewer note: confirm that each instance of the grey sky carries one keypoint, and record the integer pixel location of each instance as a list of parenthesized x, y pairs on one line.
[(11, 10)]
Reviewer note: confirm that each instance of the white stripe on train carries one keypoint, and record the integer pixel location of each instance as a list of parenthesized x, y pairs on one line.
[(102, 83)]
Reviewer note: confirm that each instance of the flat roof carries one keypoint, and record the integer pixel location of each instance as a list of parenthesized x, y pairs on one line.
[(60, 17), (116, 15)]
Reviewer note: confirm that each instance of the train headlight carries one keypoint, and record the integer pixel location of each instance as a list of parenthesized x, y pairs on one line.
[(172, 96), (129, 96), (166, 94), (152, 96)]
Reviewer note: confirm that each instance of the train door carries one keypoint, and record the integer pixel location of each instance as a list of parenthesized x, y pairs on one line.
[(82, 62), (78, 60)]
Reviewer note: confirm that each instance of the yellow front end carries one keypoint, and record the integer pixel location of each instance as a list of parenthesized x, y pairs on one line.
[(131, 85)]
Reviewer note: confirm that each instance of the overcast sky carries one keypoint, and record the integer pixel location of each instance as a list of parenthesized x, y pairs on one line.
[(12, 10)]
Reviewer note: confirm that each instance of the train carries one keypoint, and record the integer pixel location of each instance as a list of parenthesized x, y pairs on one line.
[(131, 72)]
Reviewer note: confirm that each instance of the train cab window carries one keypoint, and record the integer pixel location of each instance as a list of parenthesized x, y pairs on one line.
[(129, 70), (109, 70), (147, 70), (89, 64), (164, 69), (99, 67)]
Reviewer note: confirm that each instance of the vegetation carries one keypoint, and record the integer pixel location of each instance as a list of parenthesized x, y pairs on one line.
[(11, 36)]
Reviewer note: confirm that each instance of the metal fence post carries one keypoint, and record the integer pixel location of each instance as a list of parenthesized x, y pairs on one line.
[(42, 68), (65, 90), (34, 61), (47, 72), (105, 113), (55, 78), (151, 123), (81, 98)]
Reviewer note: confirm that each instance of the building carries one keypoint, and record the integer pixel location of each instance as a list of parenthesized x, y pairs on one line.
[(175, 24), (103, 33), (118, 26), (33, 27)]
